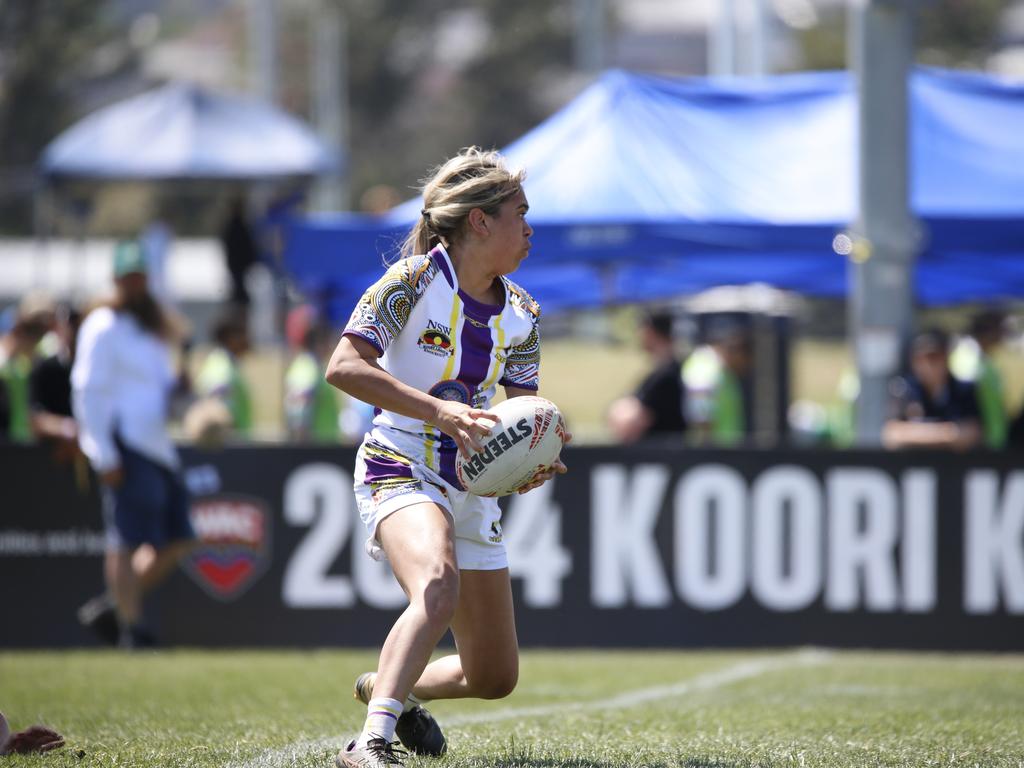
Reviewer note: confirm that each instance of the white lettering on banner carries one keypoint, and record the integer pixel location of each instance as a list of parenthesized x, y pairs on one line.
[(919, 541), (375, 581), (228, 520), (307, 582), (73, 542), (624, 558), (993, 542), (532, 532), (710, 569), (318, 493), (857, 539), (866, 550), (778, 582)]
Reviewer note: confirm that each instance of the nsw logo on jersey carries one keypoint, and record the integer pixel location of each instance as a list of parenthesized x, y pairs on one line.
[(436, 339)]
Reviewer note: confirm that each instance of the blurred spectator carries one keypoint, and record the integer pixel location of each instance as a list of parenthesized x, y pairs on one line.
[(311, 405), (207, 423), (50, 388), (221, 375), (971, 361), (156, 241), (714, 380), (18, 351), (930, 407), (240, 249), (35, 738), (842, 426), (655, 409), (122, 380)]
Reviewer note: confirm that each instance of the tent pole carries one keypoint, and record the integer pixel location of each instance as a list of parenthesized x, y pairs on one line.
[(880, 307)]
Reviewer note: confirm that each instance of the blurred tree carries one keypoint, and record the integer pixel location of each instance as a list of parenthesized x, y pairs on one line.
[(427, 78), (950, 33), (46, 46), (958, 33)]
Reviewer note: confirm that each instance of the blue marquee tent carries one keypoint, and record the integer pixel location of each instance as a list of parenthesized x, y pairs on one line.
[(645, 187), (181, 131)]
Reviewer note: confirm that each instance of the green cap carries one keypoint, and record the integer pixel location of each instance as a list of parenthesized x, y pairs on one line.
[(128, 258)]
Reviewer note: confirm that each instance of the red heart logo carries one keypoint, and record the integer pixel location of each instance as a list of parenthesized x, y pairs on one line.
[(225, 577)]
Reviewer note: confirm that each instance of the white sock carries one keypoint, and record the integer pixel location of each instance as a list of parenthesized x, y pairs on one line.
[(381, 717)]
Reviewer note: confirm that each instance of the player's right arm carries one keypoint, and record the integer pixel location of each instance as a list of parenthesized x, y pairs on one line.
[(354, 370)]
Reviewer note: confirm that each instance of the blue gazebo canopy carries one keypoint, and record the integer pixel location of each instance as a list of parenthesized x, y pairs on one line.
[(182, 131), (647, 187)]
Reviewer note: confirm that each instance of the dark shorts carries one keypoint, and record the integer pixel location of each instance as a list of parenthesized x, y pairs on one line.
[(150, 507)]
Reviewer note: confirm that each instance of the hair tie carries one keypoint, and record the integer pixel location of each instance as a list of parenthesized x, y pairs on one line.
[(425, 214)]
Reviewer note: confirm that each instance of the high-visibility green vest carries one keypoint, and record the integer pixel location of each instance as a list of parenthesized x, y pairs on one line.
[(14, 374), (311, 404), (969, 363), (714, 396), (220, 376)]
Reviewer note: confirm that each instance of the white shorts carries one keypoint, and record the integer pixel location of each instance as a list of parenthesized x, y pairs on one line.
[(388, 478)]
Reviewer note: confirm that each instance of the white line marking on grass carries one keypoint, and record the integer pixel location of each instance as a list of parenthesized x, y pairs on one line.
[(288, 755), (706, 682)]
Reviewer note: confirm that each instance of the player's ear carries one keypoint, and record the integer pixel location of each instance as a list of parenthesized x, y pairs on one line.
[(478, 222)]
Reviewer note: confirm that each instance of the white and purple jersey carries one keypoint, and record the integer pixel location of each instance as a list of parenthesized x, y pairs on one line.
[(436, 338)]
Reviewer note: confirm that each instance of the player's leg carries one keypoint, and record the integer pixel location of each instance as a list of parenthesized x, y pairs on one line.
[(487, 663), (176, 536), (153, 566), (419, 542), (123, 585), (486, 666)]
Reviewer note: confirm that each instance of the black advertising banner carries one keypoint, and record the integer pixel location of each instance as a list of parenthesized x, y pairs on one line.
[(637, 547)]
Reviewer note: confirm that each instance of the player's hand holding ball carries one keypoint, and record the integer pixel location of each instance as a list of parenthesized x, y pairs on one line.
[(467, 426), (557, 468), (519, 453)]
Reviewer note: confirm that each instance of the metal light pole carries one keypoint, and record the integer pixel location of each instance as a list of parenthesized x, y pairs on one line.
[(752, 34), (589, 23), (262, 54), (884, 237), (328, 69), (722, 40)]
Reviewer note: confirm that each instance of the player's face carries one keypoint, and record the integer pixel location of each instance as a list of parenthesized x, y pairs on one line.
[(510, 233)]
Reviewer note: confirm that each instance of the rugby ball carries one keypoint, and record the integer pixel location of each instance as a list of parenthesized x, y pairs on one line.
[(527, 437)]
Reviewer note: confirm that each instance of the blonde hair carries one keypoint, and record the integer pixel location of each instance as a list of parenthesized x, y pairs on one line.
[(474, 178)]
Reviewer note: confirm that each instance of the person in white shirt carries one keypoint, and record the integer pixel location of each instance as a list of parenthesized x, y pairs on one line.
[(428, 344), (121, 382)]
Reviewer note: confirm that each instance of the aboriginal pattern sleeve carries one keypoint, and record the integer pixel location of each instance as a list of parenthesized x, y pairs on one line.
[(384, 309), (522, 369)]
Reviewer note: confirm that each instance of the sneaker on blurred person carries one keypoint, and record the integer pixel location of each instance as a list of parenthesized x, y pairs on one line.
[(100, 615)]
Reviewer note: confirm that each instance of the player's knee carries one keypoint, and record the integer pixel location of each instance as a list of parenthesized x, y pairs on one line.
[(498, 684), (497, 680), (441, 596)]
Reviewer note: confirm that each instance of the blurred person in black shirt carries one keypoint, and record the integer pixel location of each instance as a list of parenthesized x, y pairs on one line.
[(931, 408), (50, 387), (240, 249), (655, 409)]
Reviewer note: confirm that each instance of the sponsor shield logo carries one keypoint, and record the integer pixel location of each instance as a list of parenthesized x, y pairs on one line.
[(233, 549)]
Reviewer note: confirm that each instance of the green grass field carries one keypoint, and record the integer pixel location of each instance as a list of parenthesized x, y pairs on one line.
[(573, 709)]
